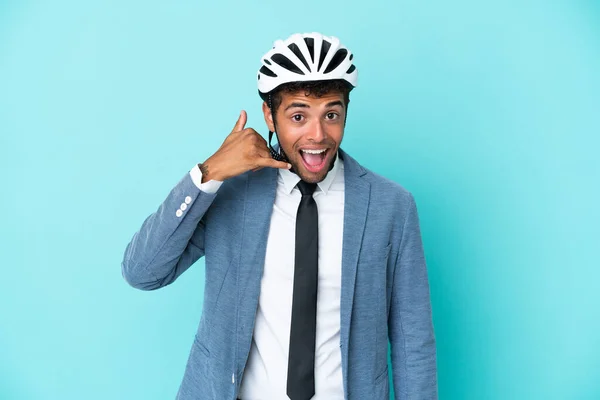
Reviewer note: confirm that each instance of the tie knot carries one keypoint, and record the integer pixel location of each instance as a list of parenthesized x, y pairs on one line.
[(307, 189)]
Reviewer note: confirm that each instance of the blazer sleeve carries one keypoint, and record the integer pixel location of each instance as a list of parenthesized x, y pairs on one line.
[(410, 320), (170, 240)]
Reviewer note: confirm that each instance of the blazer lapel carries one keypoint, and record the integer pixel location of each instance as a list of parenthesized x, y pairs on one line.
[(261, 187), (356, 203)]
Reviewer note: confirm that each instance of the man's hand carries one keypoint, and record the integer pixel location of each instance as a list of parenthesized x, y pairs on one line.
[(243, 150)]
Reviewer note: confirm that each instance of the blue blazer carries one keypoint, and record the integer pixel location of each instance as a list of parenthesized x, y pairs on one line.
[(385, 290)]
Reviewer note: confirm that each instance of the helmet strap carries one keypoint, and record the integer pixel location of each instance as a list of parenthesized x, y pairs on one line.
[(279, 156)]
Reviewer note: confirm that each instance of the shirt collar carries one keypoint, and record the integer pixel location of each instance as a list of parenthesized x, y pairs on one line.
[(290, 179)]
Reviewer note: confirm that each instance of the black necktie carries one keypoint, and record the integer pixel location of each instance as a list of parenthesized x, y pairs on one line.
[(301, 362)]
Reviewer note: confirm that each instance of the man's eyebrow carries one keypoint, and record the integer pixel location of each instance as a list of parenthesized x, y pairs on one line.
[(294, 105), (334, 103), (304, 105)]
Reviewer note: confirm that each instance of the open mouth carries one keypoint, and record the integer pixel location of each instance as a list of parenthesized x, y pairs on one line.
[(314, 159)]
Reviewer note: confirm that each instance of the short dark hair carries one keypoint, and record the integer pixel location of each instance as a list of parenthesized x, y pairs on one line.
[(314, 88)]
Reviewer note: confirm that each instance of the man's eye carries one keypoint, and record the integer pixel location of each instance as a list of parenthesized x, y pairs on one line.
[(297, 117), (331, 115)]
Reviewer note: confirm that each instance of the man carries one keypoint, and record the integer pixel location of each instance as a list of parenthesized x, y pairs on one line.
[(312, 261)]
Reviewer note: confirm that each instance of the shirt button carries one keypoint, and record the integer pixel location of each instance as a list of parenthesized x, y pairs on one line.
[(183, 206), (179, 213), (188, 200)]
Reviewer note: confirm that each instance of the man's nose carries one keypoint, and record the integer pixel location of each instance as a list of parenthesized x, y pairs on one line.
[(317, 132)]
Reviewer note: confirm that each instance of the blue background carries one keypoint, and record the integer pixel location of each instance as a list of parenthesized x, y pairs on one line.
[(487, 111)]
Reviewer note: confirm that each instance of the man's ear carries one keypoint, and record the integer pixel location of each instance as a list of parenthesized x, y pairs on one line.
[(268, 116)]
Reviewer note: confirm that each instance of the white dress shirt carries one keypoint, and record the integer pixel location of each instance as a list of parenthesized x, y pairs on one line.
[(265, 375)]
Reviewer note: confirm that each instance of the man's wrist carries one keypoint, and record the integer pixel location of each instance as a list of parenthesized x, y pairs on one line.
[(209, 186), (211, 170), (204, 169)]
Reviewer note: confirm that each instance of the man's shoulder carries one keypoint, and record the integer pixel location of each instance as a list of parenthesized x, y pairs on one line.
[(380, 182), (381, 185)]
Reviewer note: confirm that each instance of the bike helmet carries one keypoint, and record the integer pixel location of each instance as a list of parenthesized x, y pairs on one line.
[(305, 57)]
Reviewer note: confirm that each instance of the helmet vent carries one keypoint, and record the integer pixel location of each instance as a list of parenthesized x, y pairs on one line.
[(267, 72), (310, 43), (351, 69), (296, 50), (337, 59), (324, 49), (286, 63)]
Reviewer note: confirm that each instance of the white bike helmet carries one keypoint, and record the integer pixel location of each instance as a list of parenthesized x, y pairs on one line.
[(305, 57)]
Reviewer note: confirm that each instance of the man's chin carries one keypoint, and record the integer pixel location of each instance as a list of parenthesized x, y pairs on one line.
[(312, 178)]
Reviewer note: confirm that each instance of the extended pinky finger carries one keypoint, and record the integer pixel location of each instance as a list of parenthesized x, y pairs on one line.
[(278, 164)]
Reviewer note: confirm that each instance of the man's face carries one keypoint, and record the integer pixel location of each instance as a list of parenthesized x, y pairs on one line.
[(310, 130)]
